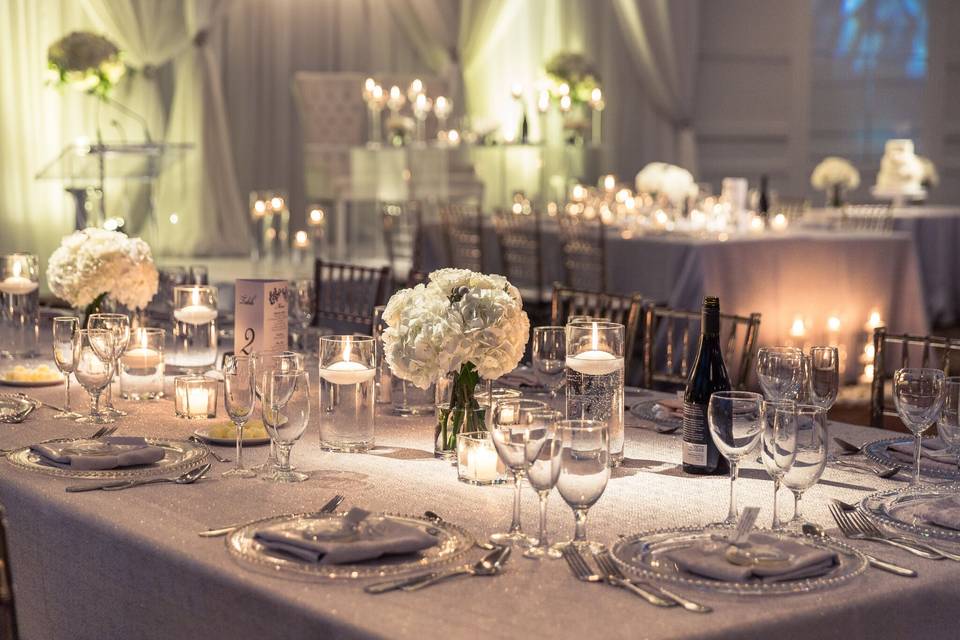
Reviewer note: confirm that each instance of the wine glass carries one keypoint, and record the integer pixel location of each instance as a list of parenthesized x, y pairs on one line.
[(549, 357), (918, 396), (264, 363), (811, 455), (119, 324), (543, 458), (781, 372), (735, 425), (584, 471), (778, 445), (302, 301), (948, 427), (824, 376), (510, 431), (64, 346), (286, 412), (93, 366), (239, 399)]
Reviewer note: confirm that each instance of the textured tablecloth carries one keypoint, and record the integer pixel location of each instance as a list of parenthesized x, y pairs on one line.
[(129, 564)]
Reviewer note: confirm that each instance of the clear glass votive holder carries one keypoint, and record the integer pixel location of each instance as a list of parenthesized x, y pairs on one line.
[(477, 459), (408, 399), (195, 397), (194, 328), (141, 365), (347, 393), (19, 305), (594, 378)]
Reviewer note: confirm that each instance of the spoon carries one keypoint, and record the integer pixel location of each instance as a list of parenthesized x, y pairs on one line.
[(187, 478), (488, 565), (436, 518), (817, 531)]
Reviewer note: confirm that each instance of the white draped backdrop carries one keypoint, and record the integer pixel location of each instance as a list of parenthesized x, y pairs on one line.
[(217, 74)]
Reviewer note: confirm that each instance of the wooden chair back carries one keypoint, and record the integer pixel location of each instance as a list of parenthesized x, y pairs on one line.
[(518, 238), (583, 246), (463, 234), (402, 225), (347, 293)]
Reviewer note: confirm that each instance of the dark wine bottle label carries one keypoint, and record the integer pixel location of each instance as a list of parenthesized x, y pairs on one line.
[(695, 435)]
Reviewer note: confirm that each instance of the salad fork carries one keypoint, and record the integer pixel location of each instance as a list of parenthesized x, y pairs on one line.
[(606, 563), (851, 530), (581, 570)]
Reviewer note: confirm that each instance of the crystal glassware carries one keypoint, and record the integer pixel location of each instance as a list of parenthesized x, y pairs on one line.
[(477, 459), (918, 396), (584, 471), (735, 419), (194, 328), (778, 445), (781, 372), (347, 393), (594, 378), (948, 426), (119, 324), (811, 455), (824, 376), (195, 397), (239, 399), (286, 412), (93, 366), (302, 302), (64, 347), (141, 366), (549, 357), (543, 460), (265, 363), (510, 431), (19, 305)]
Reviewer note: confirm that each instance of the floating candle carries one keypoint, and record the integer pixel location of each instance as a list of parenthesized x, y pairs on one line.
[(347, 372), (595, 363), (141, 358), (195, 313), (16, 284)]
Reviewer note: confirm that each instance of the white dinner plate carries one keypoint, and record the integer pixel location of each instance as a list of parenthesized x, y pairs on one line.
[(30, 383), (204, 434)]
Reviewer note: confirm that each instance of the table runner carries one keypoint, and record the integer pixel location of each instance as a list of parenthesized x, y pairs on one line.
[(129, 564)]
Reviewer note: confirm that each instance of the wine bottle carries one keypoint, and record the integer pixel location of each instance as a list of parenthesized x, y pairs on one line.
[(763, 203), (708, 375)]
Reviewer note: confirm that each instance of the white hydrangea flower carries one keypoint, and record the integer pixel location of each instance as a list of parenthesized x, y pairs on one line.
[(669, 180), (833, 171), (94, 261)]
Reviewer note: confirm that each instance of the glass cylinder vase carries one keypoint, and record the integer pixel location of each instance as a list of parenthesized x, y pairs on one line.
[(347, 393), (194, 328), (141, 365), (458, 410), (594, 370), (19, 305)]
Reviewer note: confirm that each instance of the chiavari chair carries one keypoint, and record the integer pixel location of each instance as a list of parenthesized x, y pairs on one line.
[(346, 294), (518, 238), (867, 217), (402, 225), (584, 249), (463, 234)]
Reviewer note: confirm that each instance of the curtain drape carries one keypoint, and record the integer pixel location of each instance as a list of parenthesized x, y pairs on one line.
[(661, 37), (431, 26)]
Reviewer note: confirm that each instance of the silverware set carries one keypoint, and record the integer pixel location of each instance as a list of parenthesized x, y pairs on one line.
[(189, 477), (489, 565), (817, 531), (330, 506), (856, 526), (875, 468)]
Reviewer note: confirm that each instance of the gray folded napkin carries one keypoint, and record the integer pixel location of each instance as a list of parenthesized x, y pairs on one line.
[(709, 560), (668, 409), (363, 539), (933, 451), (111, 452), (944, 512)]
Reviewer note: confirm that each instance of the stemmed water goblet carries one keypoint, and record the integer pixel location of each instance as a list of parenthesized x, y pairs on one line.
[(93, 366), (239, 399), (918, 396), (735, 419), (782, 373), (810, 458), (778, 445), (549, 357), (286, 412), (510, 431), (264, 363), (948, 426), (543, 458), (119, 325), (64, 346), (584, 472), (824, 376)]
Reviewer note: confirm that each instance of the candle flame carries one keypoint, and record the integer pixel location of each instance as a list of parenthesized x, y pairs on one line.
[(195, 297), (595, 337), (17, 268), (833, 324), (143, 339), (874, 320), (798, 329)]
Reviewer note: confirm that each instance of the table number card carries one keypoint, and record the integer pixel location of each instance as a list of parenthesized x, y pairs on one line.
[(261, 316)]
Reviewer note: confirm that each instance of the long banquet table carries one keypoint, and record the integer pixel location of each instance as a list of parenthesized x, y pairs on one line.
[(129, 564)]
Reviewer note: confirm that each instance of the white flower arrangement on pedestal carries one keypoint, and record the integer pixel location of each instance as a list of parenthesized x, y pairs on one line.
[(834, 175), (463, 323), (668, 180), (91, 264)]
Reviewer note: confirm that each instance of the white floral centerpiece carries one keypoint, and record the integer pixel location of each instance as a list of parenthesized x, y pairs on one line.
[(86, 62), (92, 264), (462, 323), (674, 183), (834, 175), (930, 176)]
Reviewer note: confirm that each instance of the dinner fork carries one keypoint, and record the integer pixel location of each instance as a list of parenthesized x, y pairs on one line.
[(581, 570), (870, 528), (850, 530), (329, 507), (606, 563), (216, 456)]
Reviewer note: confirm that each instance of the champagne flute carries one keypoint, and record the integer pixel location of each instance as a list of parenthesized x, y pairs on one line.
[(286, 412), (119, 324), (918, 396), (781, 372), (510, 431), (735, 424), (811, 455), (543, 459), (549, 357), (584, 472), (239, 398), (264, 363), (64, 347), (93, 366), (948, 426), (824, 376), (778, 445)]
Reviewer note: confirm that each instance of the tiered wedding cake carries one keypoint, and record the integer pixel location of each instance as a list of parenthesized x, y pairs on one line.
[(900, 169)]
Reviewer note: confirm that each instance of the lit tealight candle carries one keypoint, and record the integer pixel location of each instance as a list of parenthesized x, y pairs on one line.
[(301, 240), (316, 216), (195, 313), (779, 222), (17, 284), (594, 362), (141, 358), (482, 464), (347, 371)]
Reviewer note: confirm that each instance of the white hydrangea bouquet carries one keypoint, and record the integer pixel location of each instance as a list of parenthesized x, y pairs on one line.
[(461, 324), (834, 175), (92, 264), (674, 183)]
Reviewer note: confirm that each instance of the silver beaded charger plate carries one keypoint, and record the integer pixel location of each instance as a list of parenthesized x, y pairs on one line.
[(453, 542), (180, 456), (643, 555), (897, 509), (878, 452), (647, 410)]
